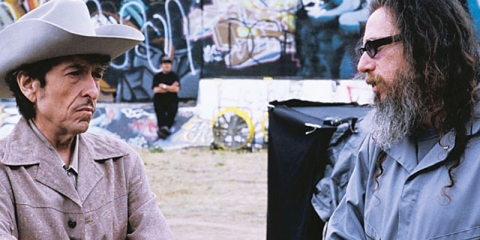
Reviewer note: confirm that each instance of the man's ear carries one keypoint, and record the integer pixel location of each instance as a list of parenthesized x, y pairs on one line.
[(28, 86)]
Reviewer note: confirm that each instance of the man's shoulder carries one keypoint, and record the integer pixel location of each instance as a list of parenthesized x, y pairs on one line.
[(103, 140), (171, 75), (104, 145)]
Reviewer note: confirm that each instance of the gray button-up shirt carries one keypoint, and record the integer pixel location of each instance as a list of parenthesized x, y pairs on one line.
[(409, 202)]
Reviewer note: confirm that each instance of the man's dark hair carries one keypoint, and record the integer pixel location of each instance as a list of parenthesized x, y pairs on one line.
[(440, 43), (38, 70)]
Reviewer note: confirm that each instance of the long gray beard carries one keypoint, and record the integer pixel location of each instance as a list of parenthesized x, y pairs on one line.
[(400, 113)]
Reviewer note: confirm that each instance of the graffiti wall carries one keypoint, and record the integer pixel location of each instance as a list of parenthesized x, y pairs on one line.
[(294, 39)]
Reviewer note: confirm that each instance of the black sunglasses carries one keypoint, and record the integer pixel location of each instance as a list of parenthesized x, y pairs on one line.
[(371, 46)]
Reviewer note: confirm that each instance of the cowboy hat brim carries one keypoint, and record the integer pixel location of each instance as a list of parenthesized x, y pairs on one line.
[(47, 40)]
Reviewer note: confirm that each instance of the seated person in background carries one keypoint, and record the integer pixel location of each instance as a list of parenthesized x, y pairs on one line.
[(165, 86)]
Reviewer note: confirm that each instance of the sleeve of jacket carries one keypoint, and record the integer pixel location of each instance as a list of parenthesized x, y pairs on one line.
[(145, 219), (347, 219), (8, 228), (343, 154)]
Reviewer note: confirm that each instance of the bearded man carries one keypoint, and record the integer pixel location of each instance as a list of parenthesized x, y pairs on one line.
[(416, 176)]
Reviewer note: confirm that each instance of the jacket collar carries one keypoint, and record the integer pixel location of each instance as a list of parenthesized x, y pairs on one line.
[(22, 148), (404, 151)]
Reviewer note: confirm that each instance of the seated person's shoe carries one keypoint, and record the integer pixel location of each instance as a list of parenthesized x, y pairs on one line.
[(161, 135), (165, 131)]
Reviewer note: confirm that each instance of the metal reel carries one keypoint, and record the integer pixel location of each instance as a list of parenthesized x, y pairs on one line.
[(232, 128)]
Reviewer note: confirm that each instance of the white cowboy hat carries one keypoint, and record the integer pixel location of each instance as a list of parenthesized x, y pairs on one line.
[(61, 28)]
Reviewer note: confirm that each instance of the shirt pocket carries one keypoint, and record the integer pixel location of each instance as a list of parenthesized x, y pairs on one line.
[(471, 233)]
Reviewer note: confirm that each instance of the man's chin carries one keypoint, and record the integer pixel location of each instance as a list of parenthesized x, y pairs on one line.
[(82, 126)]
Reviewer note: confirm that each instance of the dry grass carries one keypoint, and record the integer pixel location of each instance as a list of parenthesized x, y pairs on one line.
[(211, 194)]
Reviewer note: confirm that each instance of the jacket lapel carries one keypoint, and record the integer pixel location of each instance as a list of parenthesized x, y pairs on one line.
[(32, 151), (89, 173), (54, 177), (404, 153)]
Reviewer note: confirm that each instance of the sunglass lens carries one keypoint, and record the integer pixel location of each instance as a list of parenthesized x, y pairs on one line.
[(371, 51), (360, 51)]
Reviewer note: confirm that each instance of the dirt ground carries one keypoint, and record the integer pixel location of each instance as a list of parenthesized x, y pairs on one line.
[(211, 194)]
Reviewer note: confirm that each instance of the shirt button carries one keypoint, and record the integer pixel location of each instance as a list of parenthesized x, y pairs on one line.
[(72, 223)]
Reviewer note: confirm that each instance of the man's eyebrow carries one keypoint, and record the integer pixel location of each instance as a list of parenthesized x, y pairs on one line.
[(80, 66), (76, 66)]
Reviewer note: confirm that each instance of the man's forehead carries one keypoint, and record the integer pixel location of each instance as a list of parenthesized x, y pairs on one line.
[(380, 24), (78, 63), (80, 60)]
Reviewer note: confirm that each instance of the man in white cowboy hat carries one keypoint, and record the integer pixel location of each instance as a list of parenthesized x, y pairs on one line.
[(56, 180)]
